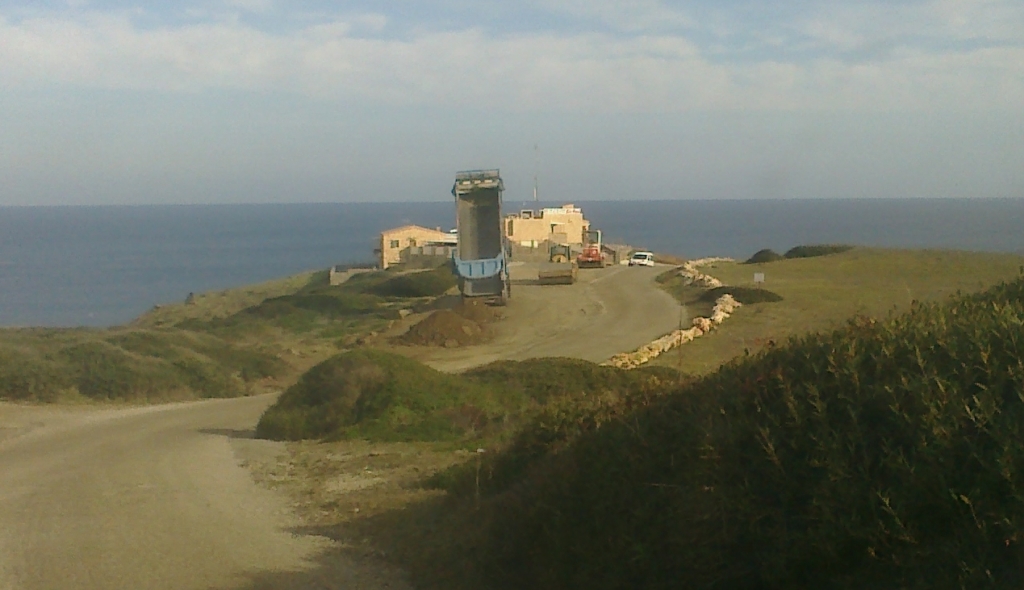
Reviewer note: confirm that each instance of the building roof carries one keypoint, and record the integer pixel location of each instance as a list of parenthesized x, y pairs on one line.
[(412, 226)]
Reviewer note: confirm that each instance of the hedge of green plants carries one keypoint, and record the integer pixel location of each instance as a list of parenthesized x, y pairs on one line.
[(886, 454), (816, 250), (765, 255)]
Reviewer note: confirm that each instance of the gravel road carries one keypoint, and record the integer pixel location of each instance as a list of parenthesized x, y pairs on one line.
[(159, 497), (607, 311), (153, 498)]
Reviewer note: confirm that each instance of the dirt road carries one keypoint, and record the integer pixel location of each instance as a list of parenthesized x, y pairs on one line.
[(607, 311), (159, 497), (153, 498)]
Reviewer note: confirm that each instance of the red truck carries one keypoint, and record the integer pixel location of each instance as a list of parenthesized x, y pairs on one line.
[(593, 255)]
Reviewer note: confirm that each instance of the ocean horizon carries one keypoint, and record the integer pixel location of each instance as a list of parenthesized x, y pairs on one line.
[(105, 265)]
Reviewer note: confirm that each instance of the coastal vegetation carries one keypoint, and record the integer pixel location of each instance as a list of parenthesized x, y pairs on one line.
[(384, 397), (815, 250), (776, 468), (854, 425), (231, 343), (881, 454), (763, 256), (128, 365), (805, 251)]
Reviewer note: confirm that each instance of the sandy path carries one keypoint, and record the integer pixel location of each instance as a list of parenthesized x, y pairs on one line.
[(606, 312), (152, 497)]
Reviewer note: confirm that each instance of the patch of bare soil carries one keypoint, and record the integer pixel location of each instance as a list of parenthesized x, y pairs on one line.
[(369, 498), (464, 325)]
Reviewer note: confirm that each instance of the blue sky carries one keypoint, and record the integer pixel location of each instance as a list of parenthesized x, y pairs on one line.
[(268, 101)]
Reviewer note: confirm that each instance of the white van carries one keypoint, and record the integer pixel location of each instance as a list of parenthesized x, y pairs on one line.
[(641, 259)]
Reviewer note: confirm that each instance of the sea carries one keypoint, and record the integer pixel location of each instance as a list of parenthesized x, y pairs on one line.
[(102, 266)]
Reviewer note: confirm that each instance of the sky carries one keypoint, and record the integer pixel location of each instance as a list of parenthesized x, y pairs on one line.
[(252, 101)]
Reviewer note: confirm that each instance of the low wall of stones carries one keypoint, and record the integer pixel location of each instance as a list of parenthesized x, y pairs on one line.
[(724, 307), (692, 276)]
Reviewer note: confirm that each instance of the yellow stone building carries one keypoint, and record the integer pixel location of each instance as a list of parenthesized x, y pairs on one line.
[(411, 238), (557, 225)]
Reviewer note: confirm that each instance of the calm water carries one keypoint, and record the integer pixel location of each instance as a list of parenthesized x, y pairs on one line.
[(99, 266)]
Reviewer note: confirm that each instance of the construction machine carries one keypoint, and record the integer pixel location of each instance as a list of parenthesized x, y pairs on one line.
[(560, 269), (481, 257), (593, 254)]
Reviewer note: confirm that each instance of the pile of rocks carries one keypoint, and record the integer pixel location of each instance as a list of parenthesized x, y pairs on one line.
[(724, 307)]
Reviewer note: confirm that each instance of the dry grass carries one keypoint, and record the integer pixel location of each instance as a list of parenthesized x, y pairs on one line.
[(822, 293), (221, 304), (368, 498)]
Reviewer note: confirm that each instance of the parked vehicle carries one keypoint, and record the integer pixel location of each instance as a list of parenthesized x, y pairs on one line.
[(641, 259), (593, 255), (560, 269), (481, 256)]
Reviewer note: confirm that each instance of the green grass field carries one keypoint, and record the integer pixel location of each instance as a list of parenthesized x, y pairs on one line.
[(823, 292)]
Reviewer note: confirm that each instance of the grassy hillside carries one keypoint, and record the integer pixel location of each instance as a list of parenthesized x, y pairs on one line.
[(223, 344), (882, 454), (820, 293), (383, 396), (128, 365)]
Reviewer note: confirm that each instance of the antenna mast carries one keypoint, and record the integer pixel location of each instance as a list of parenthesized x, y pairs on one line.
[(536, 165)]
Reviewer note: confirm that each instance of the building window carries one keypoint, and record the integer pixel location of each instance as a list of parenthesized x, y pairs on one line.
[(412, 242), (510, 232), (394, 243)]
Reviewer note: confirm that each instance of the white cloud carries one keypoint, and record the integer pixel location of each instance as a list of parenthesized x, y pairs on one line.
[(258, 6), (476, 68), (634, 16), (934, 24)]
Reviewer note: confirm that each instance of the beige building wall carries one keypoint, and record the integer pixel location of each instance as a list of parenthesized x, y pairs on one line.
[(560, 225), (394, 241)]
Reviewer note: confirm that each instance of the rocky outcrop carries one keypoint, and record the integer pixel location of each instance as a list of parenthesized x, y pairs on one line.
[(724, 307)]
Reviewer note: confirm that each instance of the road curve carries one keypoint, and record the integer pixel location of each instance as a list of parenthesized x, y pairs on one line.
[(152, 498), (157, 497)]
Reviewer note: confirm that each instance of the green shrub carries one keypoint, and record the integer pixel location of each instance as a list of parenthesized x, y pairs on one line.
[(429, 283), (816, 250), (157, 344), (102, 371), (336, 303), (172, 346), (26, 375), (208, 380), (745, 295), (128, 364), (251, 365), (766, 255), (381, 396), (882, 455), (578, 397), (544, 379), (363, 282)]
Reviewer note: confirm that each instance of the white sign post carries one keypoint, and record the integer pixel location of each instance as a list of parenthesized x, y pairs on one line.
[(758, 277)]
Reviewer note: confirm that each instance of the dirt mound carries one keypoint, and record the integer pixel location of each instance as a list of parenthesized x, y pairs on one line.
[(445, 328), (476, 310), (462, 325)]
